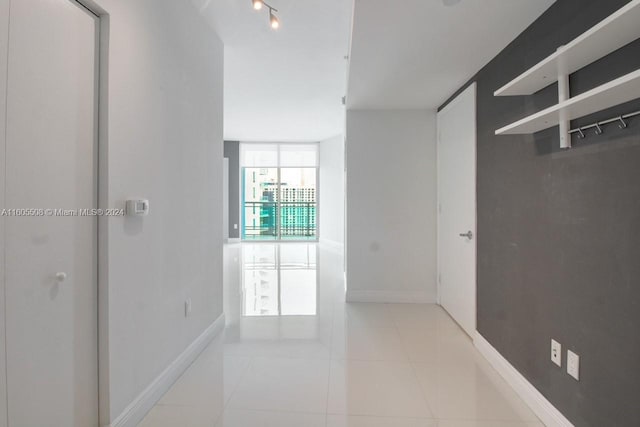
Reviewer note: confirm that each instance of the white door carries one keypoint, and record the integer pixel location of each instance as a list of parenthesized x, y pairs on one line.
[(51, 156), (457, 209)]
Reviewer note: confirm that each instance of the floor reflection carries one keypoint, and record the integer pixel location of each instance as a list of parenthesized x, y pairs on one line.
[(279, 279), (274, 304), (294, 354)]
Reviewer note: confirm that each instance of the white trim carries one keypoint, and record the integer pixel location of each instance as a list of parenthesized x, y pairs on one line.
[(138, 409), (400, 297), (607, 95), (547, 413)]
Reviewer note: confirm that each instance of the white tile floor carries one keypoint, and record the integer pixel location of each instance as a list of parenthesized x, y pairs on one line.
[(338, 365)]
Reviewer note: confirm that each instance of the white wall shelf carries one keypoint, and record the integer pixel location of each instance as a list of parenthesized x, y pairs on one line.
[(619, 91), (611, 34), (614, 32)]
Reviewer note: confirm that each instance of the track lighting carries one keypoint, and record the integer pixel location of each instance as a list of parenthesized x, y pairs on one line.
[(275, 23), (273, 19)]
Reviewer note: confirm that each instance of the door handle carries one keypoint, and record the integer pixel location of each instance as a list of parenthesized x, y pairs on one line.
[(468, 235)]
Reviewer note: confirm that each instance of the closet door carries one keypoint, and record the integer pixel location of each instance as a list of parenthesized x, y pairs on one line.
[(51, 265), (457, 209)]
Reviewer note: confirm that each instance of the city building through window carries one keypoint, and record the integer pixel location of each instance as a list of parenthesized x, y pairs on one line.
[(279, 191)]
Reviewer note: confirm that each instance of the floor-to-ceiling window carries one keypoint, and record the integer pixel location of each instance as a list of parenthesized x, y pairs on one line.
[(279, 191)]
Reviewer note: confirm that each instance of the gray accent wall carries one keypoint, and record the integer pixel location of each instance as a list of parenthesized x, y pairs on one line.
[(232, 152), (559, 231)]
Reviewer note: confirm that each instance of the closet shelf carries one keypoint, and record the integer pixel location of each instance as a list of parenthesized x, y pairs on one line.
[(619, 91), (609, 35)]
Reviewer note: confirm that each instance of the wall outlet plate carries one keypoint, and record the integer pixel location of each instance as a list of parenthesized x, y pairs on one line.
[(187, 307), (573, 365), (556, 353)]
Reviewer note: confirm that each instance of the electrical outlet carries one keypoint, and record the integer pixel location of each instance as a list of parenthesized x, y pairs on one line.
[(573, 365), (187, 307), (235, 226), (556, 353)]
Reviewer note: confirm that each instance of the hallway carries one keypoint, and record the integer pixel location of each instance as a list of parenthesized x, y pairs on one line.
[(295, 355)]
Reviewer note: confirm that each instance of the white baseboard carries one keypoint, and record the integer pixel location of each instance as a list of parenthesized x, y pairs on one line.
[(332, 245), (138, 409), (399, 297), (540, 406)]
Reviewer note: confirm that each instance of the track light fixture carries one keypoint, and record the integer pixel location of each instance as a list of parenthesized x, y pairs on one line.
[(273, 19)]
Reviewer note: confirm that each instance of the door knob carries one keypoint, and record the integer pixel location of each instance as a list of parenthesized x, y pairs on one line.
[(468, 235), (61, 276)]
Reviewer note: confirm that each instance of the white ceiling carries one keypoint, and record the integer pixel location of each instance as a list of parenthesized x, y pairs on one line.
[(417, 53), (284, 85)]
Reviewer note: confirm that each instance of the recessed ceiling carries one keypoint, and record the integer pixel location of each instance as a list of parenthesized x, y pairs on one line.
[(416, 53), (285, 85)]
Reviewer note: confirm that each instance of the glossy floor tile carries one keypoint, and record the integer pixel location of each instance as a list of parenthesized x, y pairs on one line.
[(386, 389), (364, 421), (295, 354), (182, 415), (279, 384), (245, 418), (357, 343)]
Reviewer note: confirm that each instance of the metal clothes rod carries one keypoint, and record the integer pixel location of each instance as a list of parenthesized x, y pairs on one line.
[(598, 125)]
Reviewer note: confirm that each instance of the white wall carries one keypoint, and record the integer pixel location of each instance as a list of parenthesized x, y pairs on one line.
[(391, 205), (331, 220), (4, 36), (165, 144)]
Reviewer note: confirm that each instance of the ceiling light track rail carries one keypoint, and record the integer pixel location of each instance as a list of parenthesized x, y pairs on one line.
[(269, 6)]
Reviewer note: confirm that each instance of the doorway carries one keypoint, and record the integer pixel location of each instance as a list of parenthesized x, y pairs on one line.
[(51, 240), (457, 209)]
